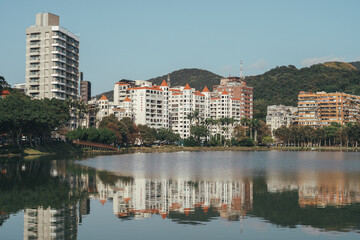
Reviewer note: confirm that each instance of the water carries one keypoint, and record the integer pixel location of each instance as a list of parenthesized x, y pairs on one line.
[(198, 195)]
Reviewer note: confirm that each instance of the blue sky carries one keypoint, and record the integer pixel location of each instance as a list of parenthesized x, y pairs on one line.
[(145, 39)]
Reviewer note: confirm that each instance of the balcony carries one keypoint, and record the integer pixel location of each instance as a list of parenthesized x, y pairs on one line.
[(58, 90)]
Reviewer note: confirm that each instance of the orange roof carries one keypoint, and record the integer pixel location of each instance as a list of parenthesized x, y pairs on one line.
[(176, 93), (150, 88), (118, 110), (198, 94), (205, 89), (164, 84), (187, 87), (103, 97), (224, 92), (122, 84), (127, 99), (5, 92), (214, 98)]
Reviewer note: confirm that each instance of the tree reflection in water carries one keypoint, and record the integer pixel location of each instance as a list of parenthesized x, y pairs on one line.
[(55, 195)]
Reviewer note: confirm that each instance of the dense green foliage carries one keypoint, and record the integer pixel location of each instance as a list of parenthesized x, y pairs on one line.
[(356, 64), (332, 135), (101, 135), (196, 78), (20, 115), (281, 85), (3, 83), (125, 133)]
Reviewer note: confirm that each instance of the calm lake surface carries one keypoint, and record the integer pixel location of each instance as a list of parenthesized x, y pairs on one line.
[(197, 195)]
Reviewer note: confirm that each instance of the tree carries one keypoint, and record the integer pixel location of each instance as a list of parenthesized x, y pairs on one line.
[(147, 135), (167, 136), (21, 115), (3, 83), (199, 131), (239, 132)]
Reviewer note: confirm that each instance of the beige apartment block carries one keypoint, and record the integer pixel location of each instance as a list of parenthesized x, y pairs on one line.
[(321, 108), (52, 59)]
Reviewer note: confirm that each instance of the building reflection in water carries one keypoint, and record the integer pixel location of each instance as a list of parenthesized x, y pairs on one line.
[(57, 212), (140, 198), (318, 189)]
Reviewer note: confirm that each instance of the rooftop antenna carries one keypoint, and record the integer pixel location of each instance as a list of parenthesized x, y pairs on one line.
[(168, 79), (241, 70)]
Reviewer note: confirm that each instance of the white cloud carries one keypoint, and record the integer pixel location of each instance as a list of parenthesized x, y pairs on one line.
[(316, 60), (258, 65)]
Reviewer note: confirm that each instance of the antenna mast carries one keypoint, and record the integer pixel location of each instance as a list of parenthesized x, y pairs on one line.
[(241, 70)]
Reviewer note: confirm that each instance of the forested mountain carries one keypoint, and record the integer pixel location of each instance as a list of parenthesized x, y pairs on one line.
[(281, 85), (356, 64), (109, 95), (197, 78)]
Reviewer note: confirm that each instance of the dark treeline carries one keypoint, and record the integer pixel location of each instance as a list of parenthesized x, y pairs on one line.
[(36, 119), (333, 135), (124, 133)]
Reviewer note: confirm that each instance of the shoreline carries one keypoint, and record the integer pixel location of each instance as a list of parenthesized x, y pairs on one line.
[(164, 149)]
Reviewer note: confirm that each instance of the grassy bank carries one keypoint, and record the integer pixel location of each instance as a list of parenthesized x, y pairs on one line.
[(61, 148), (49, 149), (256, 148)]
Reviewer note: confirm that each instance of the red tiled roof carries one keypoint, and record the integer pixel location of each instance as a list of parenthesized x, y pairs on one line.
[(103, 97), (205, 89), (150, 88), (164, 84), (127, 99), (5, 92), (187, 87), (224, 92), (197, 93)]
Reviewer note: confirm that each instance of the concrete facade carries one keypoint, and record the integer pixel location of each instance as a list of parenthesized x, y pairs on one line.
[(52, 60)]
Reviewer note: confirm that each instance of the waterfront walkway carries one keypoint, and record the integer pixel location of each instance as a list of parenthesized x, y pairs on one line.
[(95, 146)]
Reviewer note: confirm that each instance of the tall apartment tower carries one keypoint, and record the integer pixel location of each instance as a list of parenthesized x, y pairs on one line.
[(52, 59)]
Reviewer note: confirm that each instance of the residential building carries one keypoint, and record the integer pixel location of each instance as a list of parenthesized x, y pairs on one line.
[(147, 105), (121, 88), (21, 87), (321, 108), (280, 115), (165, 107), (183, 101), (85, 89), (236, 88), (52, 59)]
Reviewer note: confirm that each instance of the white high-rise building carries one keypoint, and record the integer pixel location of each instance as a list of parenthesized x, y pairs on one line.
[(52, 59), (280, 115)]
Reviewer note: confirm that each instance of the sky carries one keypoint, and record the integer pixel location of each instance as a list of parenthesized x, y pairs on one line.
[(142, 39)]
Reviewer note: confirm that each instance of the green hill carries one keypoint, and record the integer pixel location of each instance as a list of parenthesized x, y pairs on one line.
[(109, 95), (281, 85), (356, 64), (197, 78)]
